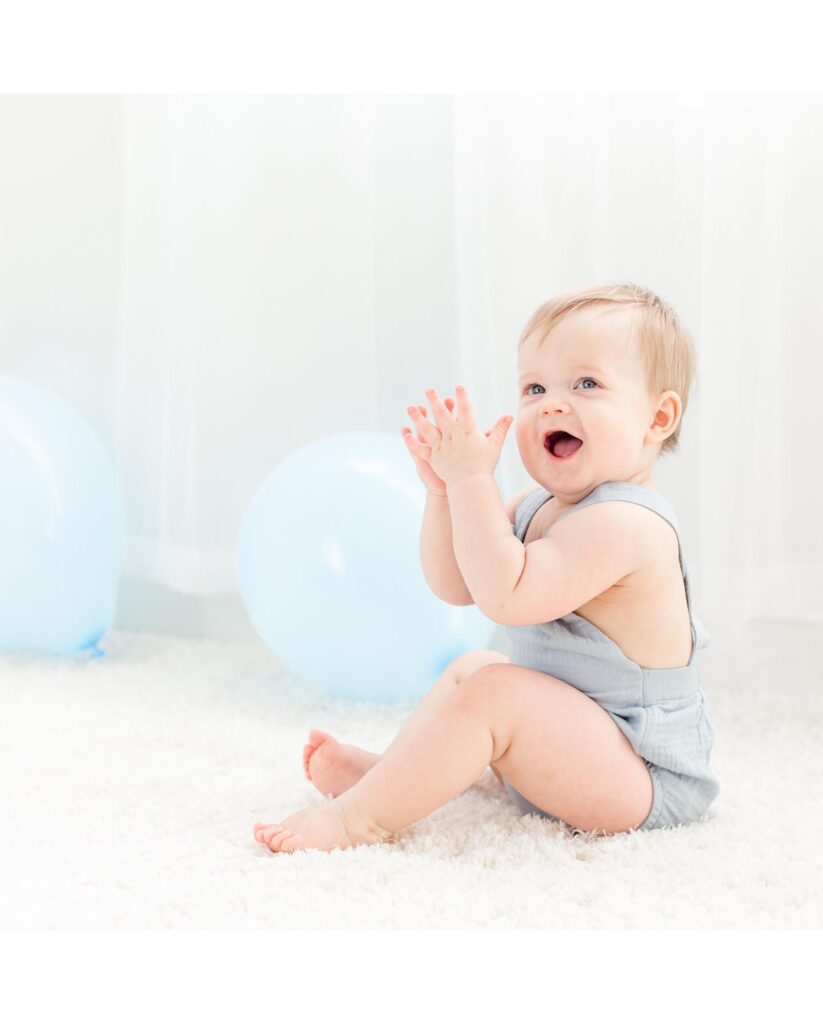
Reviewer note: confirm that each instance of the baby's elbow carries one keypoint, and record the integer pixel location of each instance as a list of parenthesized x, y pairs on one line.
[(459, 600), (502, 619), (516, 613), (497, 614)]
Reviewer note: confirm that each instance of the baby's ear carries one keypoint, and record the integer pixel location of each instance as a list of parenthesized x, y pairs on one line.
[(668, 414)]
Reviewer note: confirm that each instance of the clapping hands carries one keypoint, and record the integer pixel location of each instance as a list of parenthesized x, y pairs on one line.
[(452, 448)]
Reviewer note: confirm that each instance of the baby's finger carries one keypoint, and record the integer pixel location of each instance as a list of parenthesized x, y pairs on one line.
[(441, 412), (417, 450), (465, 414), (425, 413), (425, 430), (448, 402)]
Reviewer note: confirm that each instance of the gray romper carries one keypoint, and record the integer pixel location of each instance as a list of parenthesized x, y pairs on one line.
[(662, 711)]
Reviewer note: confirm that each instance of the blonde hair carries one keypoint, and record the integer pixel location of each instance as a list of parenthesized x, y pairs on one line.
[(666, 346)]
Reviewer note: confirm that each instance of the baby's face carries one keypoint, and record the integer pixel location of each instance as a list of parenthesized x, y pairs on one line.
[(587, 379)]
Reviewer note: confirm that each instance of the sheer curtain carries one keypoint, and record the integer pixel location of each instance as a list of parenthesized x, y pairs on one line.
[(212, 281)]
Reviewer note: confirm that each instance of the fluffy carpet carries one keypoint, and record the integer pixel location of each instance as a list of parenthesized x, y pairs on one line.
[(130, 786)]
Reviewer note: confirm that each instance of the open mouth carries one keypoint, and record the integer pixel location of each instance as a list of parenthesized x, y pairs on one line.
[(561, 445)]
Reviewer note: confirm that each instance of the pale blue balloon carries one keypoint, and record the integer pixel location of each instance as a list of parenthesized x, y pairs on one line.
[(61, 526), (329, 568)]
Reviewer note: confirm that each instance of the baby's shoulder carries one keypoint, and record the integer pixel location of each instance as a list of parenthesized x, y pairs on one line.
[(628, 524)]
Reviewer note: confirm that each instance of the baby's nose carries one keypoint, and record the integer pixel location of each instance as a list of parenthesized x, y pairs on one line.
[(553, 403)]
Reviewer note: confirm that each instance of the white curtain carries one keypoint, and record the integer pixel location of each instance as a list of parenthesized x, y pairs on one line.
[(213, 281)]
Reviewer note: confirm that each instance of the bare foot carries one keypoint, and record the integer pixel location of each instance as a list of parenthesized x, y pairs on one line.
[(334, 767), (336, 825)]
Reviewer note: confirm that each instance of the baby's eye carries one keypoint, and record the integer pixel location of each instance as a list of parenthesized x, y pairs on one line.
[(527, 390)]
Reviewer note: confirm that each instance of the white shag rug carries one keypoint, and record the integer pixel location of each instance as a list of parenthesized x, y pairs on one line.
[(130, 785)]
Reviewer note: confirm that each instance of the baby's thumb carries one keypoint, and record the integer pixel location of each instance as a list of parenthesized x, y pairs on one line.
[(500, 429)]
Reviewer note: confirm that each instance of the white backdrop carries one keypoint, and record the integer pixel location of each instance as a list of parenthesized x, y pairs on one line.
[(212, 281)]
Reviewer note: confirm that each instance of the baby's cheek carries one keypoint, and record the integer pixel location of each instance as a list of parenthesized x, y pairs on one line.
[(522, 432)]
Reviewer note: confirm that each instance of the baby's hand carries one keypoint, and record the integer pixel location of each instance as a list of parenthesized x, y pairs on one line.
[(421, 452), (456, 447)]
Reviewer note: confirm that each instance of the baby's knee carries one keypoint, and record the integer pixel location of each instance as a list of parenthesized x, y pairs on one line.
[(462, 667), (471, 661)]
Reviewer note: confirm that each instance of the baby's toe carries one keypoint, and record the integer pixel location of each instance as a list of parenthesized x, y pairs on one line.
[(267, 832), (279, 843), (258, 831)]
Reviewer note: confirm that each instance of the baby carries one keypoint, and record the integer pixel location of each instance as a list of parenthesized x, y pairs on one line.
[(597, 719)]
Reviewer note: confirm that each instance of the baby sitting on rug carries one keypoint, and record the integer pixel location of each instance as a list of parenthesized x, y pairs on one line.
[(597, 718)]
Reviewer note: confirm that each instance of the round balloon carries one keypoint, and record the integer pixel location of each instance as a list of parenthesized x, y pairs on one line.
[(61, 526), (329, 568)]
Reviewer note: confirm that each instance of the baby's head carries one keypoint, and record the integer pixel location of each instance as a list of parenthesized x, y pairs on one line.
[(612, 366)]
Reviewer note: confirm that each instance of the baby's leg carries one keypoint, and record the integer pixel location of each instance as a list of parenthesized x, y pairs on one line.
[(558, 748), (334, 767)]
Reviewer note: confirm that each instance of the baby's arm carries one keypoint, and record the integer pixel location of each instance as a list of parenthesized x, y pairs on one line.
[(437, 548), (585, 555), (437, 553)]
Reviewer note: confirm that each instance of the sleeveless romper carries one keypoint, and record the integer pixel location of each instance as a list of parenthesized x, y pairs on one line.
[(662, 711)]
